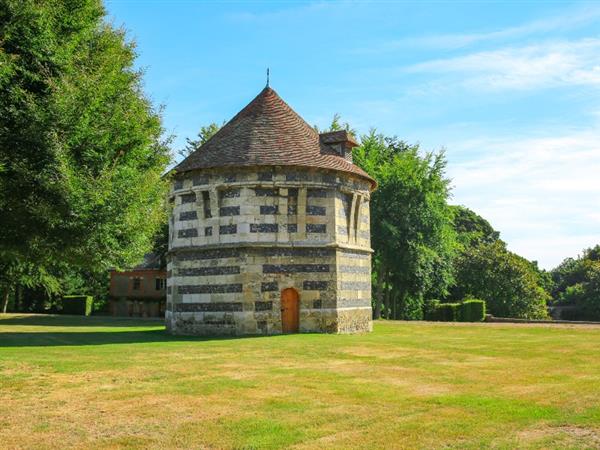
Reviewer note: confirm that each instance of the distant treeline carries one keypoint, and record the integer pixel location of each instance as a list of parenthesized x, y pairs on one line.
[(427, 250)]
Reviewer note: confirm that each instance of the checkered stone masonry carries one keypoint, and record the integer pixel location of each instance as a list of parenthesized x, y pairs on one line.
[(269, 209), (230, 281), (205, 271), (228, 229), (210, 288), (264, 228), (316, 228), (354, 275), (188, 233), (229, 211), (295, 268), (188, 215)]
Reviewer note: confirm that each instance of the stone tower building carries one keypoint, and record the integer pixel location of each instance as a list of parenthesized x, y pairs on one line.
[(270, 230)]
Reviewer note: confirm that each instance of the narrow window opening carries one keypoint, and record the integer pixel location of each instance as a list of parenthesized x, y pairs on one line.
[(206, 204), (357, 215)]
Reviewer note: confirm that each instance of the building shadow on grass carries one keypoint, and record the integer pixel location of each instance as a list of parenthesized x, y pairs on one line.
[(46, 337)]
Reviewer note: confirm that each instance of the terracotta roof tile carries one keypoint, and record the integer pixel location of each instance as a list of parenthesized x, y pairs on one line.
[(267, 132)]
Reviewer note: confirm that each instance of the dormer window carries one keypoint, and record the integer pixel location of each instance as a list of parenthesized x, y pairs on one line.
[(339, 149), (340, 142)]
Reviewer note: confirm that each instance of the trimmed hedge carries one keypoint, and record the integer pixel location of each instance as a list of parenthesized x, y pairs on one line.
[(443, 312), (448, 312), (78, 305), (471, 310), (430, 308), (573, 314)]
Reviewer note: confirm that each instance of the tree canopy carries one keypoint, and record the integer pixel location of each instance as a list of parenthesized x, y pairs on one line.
[(508, 283), (484, 268), (205, 133), (577, 283), (81, 146), (411, 223), (472, 229), (337, 125)]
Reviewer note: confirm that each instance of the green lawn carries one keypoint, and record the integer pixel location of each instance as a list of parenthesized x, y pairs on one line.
[(69, 382)]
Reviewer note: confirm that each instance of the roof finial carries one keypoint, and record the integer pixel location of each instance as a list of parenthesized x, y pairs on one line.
[(267, 77)]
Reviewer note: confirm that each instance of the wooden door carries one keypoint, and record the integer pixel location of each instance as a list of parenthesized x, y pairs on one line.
[(290, 311)]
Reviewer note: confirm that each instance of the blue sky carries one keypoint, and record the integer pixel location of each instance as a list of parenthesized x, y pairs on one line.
[(511, 90)]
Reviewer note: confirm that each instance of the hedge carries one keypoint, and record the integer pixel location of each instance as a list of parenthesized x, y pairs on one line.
[(472, 310), (573, 314), (443, 312), (79, 305)]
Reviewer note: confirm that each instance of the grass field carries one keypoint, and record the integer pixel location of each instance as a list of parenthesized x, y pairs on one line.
[(68, 382)]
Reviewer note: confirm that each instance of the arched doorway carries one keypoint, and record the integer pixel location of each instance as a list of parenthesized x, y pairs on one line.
[(290, 311)]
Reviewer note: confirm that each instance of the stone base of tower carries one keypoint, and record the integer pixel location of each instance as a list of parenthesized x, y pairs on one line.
[(355, 320), (242, 324), (240, 291)]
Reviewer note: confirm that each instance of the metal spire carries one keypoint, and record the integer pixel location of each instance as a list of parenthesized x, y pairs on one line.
[(267, 77)]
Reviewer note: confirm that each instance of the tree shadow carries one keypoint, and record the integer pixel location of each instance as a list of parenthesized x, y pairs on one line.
[(47, 338), (55, 320)]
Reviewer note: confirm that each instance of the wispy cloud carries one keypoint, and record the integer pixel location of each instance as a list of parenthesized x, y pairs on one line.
[(567, 20), (541, 65), (542, 193)]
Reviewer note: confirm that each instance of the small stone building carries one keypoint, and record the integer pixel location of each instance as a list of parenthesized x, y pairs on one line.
[(269, 231)]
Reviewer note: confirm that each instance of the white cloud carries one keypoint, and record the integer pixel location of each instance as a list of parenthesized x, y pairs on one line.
[(567, 20), (541, 65), (542, 193)]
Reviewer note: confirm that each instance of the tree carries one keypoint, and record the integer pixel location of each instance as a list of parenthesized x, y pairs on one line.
[(573, 271), (23, 274), (337, 125), (81, 147), (205, 133), (412, 232), (585, 295), (507, 282), (472, 229), (577, 283), (477, 237)]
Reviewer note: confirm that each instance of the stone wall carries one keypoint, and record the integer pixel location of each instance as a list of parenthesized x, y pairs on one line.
[(238, 238)]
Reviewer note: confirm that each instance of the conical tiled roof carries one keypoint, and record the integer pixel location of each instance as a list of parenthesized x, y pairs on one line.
[(267, 132)]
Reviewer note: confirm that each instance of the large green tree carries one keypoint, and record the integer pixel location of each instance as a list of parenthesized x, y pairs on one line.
[(471, 228), (511, 285), (577, 283), (411, 224), (573, 270), (80, 144), (508, 283)]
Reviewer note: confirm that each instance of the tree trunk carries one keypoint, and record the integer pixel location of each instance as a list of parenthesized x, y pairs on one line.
[(5, 299), (388, 303), (379, 293), (18, 293), (384, 303)]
